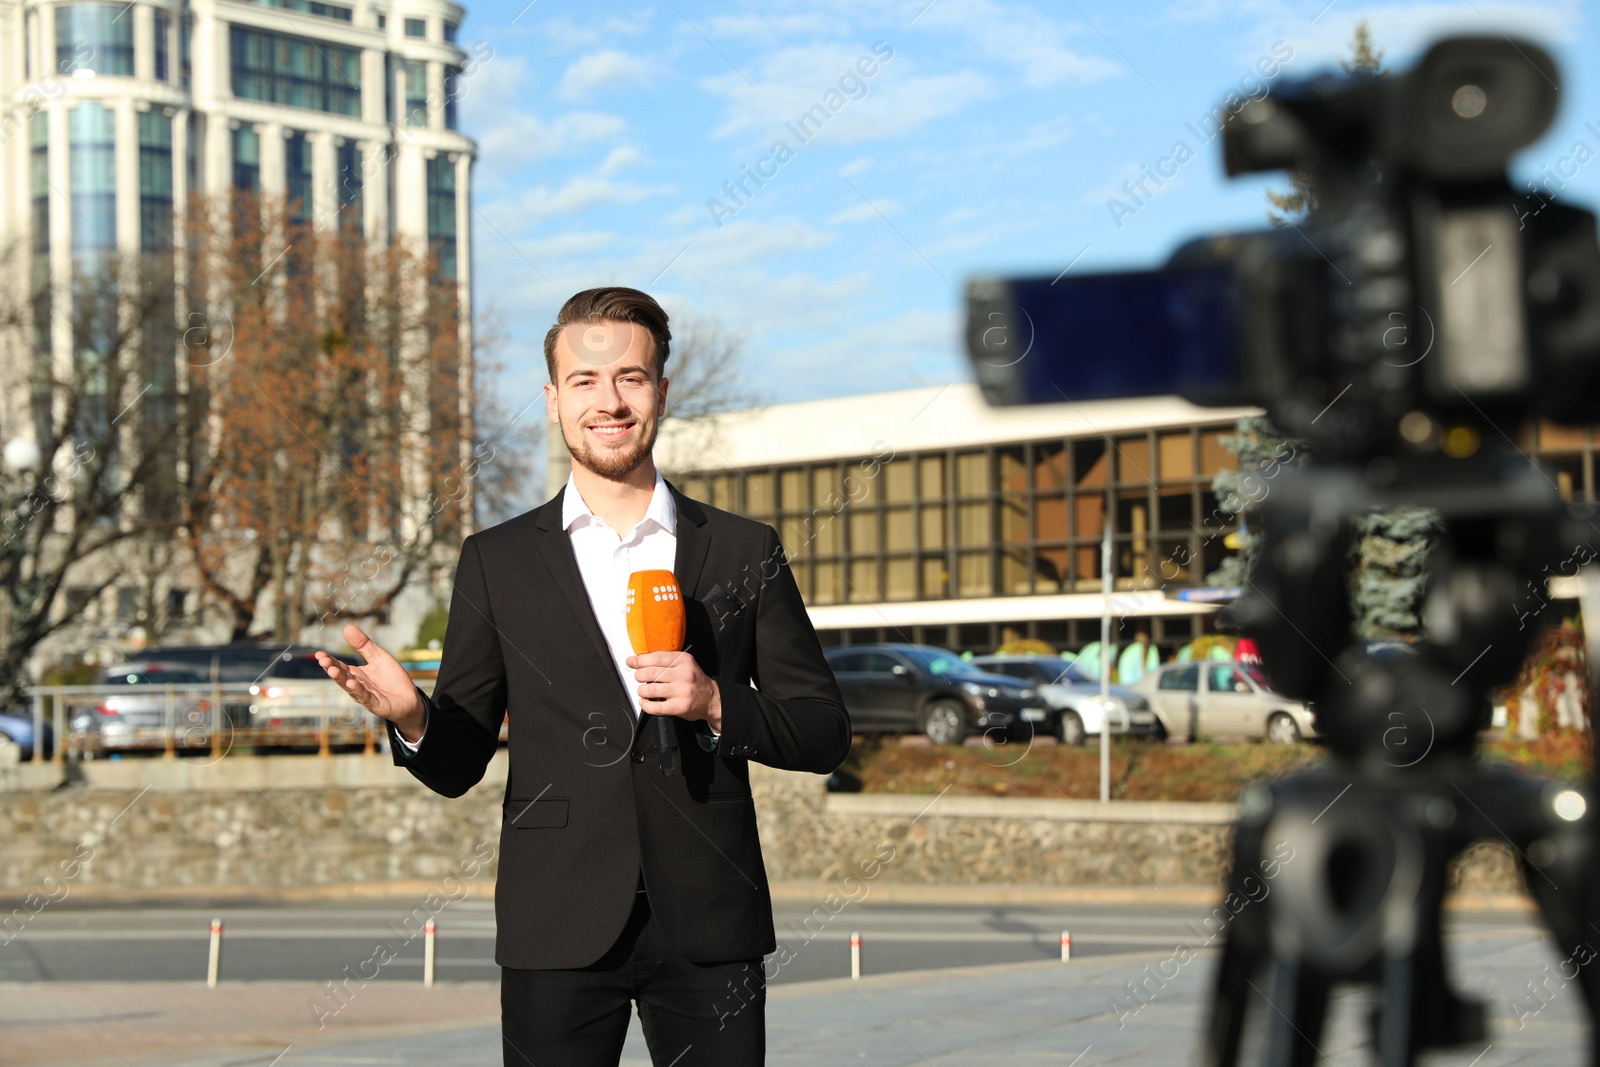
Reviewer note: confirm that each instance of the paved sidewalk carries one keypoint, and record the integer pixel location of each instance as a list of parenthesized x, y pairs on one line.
[(1012, 1015)]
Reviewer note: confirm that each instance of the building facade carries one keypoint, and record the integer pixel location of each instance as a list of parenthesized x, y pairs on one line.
[(924, 515), (114, 113)]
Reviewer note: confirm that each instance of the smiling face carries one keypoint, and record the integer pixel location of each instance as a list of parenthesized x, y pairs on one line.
[(606, 396)]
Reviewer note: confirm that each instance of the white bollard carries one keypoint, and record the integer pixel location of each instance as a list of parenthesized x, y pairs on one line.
[(215, 963), (855, 954), (1066, 946), (428, 931)]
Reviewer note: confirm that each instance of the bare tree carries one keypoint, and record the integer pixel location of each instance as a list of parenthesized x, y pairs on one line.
[(101, 417)]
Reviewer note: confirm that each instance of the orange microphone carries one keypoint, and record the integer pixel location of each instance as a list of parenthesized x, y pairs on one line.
[(656, 623)]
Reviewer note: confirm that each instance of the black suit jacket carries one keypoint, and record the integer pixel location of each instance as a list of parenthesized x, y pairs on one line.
[(586, 807)]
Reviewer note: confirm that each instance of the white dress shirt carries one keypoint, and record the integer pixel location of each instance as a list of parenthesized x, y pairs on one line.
[(606, 559)]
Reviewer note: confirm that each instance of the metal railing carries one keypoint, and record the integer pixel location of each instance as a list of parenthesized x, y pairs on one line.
[(194, 718)]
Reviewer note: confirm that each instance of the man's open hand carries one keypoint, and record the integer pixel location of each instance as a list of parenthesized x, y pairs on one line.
[(382, 686), (672, 683)]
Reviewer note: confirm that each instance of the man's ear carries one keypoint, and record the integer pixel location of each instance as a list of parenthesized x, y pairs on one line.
[(661, 395), (552, 409)]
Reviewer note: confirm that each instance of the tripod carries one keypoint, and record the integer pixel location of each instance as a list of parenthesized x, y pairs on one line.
[(1373, 830)]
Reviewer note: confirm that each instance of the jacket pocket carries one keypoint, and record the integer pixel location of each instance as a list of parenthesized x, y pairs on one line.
[(536, 813)]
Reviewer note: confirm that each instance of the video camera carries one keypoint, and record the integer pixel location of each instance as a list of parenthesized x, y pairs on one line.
[(1407, 330)]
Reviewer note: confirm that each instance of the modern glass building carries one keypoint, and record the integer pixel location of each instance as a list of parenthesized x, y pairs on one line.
[(116, 112)]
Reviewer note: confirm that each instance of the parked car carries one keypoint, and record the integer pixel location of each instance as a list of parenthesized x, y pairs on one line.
[(901, 688), (17, 726), (138, 718), (1074, 697), (296, 691), (1221, 698), (237, 666)]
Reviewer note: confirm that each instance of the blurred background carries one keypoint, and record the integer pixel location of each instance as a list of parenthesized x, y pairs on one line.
[(278, 277)]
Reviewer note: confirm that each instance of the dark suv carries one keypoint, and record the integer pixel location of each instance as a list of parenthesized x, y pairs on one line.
[(921, 689)]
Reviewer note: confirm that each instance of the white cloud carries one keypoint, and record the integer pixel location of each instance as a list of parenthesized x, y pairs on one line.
[(1029, 40), (855, 166), (870, 210), (510, 138), (844, 106), (605, 70)]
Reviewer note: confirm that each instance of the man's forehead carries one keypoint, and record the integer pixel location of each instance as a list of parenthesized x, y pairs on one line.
[(606, 343)]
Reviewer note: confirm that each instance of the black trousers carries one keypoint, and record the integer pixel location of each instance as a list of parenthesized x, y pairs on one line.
[(692, 1015)]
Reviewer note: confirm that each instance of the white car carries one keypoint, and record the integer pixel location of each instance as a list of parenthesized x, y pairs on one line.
[(1223, 698), (1073, 695)]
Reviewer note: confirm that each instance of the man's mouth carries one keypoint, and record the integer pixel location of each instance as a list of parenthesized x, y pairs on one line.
[(610, 431)]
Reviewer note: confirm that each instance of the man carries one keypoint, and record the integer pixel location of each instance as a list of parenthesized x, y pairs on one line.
[(619, 882)]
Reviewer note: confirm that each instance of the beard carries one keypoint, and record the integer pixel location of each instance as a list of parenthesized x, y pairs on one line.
[(612, 463)]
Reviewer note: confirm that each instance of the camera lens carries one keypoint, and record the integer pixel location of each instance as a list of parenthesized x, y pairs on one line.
[(1469, 101)]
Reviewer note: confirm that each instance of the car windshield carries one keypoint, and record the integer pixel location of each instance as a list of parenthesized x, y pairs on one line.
[(938, 661)]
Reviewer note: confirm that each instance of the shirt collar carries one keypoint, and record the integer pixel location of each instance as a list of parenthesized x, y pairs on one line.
[(663, 509)]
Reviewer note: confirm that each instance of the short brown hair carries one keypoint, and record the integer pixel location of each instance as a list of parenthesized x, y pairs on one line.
[(612, 304)]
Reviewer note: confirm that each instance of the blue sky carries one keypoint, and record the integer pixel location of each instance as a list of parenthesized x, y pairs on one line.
[(989, 139)]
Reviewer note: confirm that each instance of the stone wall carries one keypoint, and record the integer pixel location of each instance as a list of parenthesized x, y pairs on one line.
[(354, 822)]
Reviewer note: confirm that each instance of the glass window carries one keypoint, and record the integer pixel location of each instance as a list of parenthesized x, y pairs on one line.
[(451, 91), (793, 486), (1186, 679), (1089, 517), (415, 73), (185, 53), (93, 37), (247, 159), (163, 29), (758, 496), (847, 661), (297, 175), (900, 578), (935, 578), (864, 587), (1225, 678), (1177, 455), (899, 533), (931, 476), (416, 28), (312, 7), (93, 161), (830, 583), (825, 490), (937, 661), (351, 185), (861, 485), (1133, 461), (932, 526), (442, 214), (450, 31), (972, 474), (155, 180), (39, 179), (897, 481), (863, 532), (879, 663), (1089, 464), (295, 71), (973, 575), (972, 524), (1050, 518), (1213, 457)]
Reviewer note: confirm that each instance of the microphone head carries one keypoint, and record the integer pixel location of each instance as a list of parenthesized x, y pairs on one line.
[(656, 622)]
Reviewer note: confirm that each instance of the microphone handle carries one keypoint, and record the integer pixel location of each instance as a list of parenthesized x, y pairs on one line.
[(666, 744)]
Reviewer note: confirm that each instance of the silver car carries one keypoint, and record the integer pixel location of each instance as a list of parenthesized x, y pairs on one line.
[(131, 709), (1074, 697), (1222, 698)]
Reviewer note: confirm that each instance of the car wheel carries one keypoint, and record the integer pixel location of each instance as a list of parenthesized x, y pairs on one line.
[(945, 722), (1069, 729), (1282, 729)]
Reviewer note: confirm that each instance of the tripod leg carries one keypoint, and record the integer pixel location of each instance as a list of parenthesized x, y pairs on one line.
[(1298, 1008)]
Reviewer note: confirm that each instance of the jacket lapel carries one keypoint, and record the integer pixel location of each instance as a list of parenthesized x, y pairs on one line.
[(555, 549), (693, 543)]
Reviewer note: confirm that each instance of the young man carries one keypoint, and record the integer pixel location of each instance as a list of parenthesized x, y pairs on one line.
[(619, 882)]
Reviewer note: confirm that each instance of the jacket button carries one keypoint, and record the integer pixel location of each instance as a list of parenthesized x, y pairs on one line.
[(638, 756)]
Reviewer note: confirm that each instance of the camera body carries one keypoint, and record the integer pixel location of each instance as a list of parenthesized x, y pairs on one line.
[(1422, 294)]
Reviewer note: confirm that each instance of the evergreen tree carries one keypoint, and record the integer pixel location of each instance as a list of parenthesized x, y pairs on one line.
[(1291, 207)]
